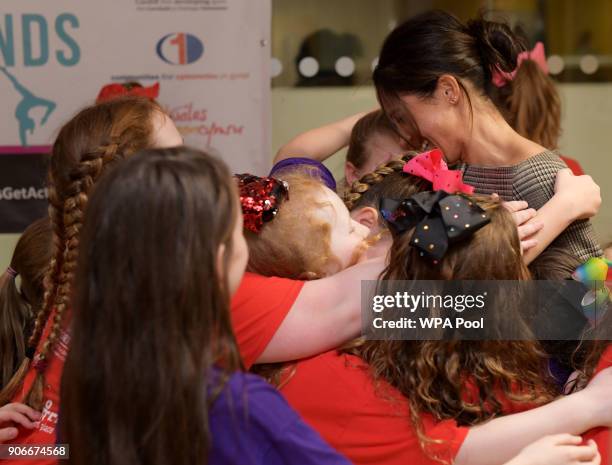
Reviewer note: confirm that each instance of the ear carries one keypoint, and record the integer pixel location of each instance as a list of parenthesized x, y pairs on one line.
[(366, 216), (448, 89), (351, 173)]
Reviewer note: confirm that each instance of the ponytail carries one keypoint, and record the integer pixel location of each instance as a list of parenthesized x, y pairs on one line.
[(15, 313), (533, 105)]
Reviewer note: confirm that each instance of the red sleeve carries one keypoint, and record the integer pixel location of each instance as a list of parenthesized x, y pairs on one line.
[(573, 165), (258, 308), (601, 435), (449, 433)]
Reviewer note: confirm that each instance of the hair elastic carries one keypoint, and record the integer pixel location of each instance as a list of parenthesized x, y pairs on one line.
[(12, 272)]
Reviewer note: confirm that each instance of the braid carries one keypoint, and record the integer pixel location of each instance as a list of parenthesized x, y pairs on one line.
[(57, 226), (359, 187), (61, 275), (116, 129)]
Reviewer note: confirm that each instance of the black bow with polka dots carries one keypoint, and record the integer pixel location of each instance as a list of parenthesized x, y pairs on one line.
[(438, 219)]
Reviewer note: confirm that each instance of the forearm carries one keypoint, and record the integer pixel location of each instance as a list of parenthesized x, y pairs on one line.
[(556, 218), (499, 440), (326, 314), (320, 143)]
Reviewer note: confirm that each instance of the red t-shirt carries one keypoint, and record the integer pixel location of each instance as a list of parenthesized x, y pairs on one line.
[(258, 308), (602, 435), (367, 422), (45, 434)]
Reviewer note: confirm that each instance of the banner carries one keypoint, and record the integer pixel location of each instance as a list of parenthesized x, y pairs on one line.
[(210, 57)]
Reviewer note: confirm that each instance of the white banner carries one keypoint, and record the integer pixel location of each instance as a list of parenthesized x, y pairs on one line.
[(210, 57)]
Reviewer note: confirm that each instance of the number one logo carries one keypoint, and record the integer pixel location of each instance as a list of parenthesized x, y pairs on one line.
[(179, 41), (179, 48)]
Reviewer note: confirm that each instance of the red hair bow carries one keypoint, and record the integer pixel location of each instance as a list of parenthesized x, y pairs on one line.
[(112, 91), (501, 78), (432, 167), (260, 199)]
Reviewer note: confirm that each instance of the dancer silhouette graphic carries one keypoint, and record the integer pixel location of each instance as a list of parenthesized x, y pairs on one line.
[(27, 103)]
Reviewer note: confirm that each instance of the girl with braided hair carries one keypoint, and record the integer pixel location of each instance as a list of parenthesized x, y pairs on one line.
[(371, 140), (91, 143)]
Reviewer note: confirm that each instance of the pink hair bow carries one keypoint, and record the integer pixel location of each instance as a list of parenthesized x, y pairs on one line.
[(432, 167), (501, 78)]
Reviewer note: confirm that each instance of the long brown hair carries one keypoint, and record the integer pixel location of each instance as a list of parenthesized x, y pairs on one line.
[(151, 312), (533, 105), (434, 376), (86, 146), (19, 304)]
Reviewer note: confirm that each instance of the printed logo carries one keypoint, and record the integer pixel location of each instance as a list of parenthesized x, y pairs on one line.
[(179, 48), (28, 102)]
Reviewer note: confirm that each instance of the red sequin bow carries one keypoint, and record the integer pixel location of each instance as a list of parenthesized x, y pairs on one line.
[(260, 199), (432, 167), (112, 91)]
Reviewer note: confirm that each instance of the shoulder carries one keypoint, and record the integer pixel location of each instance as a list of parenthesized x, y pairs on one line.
[(253, 402), (534, 179), (543, 165), (264, 419), (258, 308), (254, 286)]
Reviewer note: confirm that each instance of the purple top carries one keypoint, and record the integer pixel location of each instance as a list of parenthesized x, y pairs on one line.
[(324, 175), (252, 424)]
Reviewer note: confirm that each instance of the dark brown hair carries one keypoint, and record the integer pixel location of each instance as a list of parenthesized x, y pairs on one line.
[(419, 51), (19, 304), (86, 146), (432, 374), (151, 333)]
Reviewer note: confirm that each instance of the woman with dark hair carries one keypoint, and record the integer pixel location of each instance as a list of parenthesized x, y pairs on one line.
[(435, 79), (153, 375)]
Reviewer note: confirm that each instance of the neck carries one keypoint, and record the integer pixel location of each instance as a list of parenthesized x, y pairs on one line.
[(492, 142)]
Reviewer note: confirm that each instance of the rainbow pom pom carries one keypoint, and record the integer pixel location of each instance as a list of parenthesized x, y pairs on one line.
[(593, 270), (593, 273)]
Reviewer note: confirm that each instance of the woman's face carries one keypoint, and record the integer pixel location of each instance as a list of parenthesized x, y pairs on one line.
[(347, 240), (440, 122)]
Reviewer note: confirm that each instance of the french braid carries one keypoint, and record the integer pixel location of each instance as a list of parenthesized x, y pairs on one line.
[(353, 196), (83, 177), (95, 138)]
